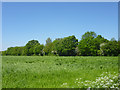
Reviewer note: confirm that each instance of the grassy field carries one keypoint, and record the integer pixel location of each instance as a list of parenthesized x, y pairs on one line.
[(55, 71)]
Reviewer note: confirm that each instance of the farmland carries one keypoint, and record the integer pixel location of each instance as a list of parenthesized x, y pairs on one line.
[(55, 71)]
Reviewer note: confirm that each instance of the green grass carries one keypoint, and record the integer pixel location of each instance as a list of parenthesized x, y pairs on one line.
[(0, 72), (53, 71)]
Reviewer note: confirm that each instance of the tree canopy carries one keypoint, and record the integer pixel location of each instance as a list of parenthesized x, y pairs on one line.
[(90, 44)]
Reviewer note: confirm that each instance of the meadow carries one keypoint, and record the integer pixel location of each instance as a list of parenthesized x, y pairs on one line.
[(59, 72)]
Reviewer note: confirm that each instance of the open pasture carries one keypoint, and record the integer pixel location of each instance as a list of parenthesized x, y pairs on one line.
[(54, 71)]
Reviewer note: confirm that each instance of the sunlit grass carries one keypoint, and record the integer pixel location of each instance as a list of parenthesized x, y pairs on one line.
[(105, 80), (0, 72), (53, 71)]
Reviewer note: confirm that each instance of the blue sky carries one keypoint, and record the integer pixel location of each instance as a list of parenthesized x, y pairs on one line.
[(26, 21)]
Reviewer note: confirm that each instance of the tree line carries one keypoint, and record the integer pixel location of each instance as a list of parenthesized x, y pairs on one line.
[(89, 45)]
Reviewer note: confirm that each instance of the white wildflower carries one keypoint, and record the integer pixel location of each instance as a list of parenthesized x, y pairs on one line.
[(77, 79), (64, 83), (111, 80)]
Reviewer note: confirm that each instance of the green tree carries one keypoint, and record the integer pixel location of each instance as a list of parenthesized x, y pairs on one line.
[(113, 39), (111, 48), (38, 50), (15, 51), (57, 46), (48, 47), (89, 34), (69, 44), (89, 45), (29, 47), (3, 53), (86, 45), (65, 46), (9, 51), (48, 41)]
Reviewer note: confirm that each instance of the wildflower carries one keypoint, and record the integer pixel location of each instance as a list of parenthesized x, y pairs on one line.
[(112, 87), (111, 80), (102, 81), (105, 86), (102, 78), (64, 83), (85, 84), (97, 86), (77, 79), (86, 81), (114, 84), (107, 83)]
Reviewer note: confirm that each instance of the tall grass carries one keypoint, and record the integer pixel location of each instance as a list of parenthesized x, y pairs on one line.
[(0, 72), (53, 71)]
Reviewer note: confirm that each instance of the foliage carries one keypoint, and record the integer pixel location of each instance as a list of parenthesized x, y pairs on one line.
[(57, 46), (38, 50), (110, 48), (29, 47), (90, 44), (88, 35), (15, 51), (48, 47), (68, 45)]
